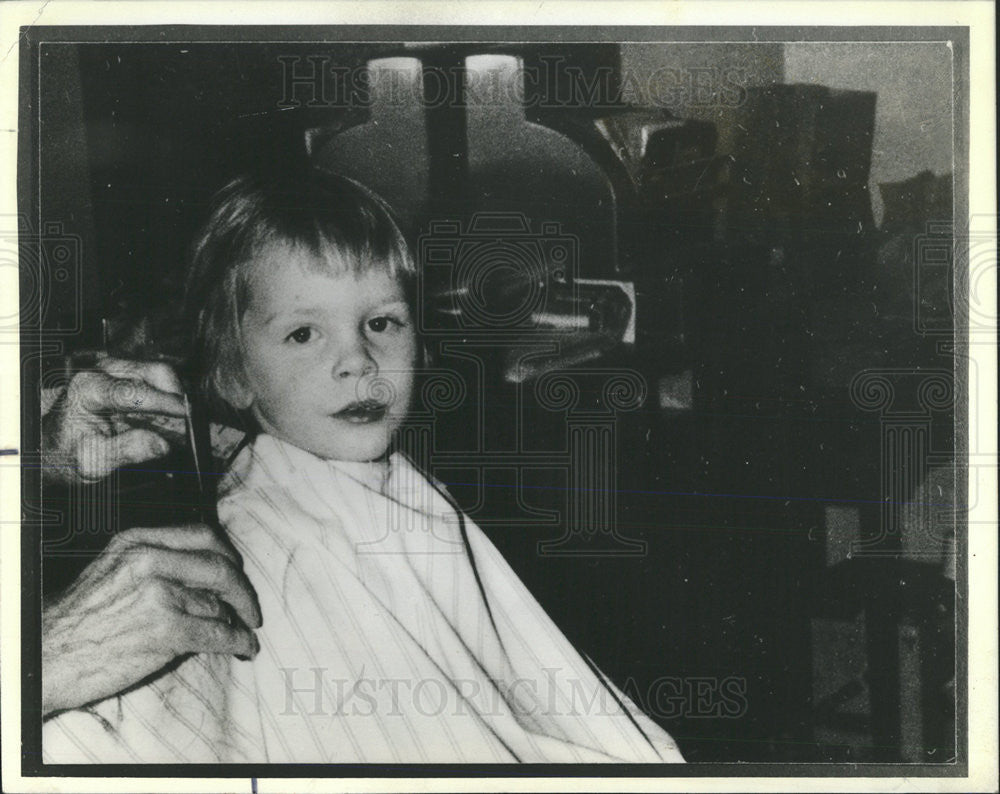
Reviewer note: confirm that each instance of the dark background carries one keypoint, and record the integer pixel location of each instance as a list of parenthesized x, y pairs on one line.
[(723, 601)]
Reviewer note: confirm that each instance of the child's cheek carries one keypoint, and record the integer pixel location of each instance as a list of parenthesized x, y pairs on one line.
[(408, 348)]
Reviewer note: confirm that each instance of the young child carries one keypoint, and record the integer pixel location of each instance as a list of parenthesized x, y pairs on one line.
[(394, 632)]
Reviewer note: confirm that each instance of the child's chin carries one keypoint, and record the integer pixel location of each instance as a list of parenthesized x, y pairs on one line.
[(364, 448)]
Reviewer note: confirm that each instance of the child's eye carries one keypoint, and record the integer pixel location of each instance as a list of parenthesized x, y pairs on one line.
[(382, 323), (300, 335)]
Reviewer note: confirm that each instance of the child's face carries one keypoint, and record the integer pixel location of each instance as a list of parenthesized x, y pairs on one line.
[(328, 361)]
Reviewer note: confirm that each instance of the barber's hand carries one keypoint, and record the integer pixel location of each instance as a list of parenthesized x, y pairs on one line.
[(118, 414), (152, 595)]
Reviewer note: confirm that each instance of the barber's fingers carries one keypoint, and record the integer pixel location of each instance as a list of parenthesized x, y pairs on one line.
[(202, 604), (97, 392), (207, 571), (98, 455), (206, 604), (182, 537), (158, 374), (171, 428), (136, 446), (207, 635)]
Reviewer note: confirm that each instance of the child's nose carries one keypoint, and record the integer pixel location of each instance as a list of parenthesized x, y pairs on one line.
[(355, 362)]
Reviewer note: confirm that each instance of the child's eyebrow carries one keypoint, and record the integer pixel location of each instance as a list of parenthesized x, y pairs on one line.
[(391, 303), (293, 314)]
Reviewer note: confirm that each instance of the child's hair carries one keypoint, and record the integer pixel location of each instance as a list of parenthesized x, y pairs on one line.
[(341, 223)]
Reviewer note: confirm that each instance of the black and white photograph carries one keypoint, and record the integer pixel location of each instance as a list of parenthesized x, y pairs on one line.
[(441, 401)]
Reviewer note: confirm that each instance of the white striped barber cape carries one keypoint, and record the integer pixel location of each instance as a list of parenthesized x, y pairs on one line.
[(394, 632)]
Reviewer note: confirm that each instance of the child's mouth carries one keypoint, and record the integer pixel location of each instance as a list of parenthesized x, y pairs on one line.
[(363, 412)]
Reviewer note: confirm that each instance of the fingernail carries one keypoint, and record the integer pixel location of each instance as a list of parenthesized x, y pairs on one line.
[(161, 447)]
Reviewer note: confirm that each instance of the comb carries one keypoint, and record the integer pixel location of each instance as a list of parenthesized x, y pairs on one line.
[(193, 441)]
